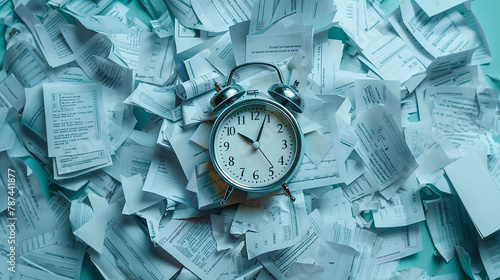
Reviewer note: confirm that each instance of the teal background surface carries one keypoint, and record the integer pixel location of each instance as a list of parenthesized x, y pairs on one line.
[(487, 12)]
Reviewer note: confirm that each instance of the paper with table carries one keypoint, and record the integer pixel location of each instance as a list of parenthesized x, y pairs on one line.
[(112, 113)]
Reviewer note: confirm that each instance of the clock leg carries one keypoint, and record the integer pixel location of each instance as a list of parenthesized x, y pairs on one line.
[(287, 191), (229, 190)]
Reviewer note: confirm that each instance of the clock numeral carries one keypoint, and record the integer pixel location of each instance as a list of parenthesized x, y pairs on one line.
[(280, 128), (226, 145), (241, 120), (231, 160), (284, 144), (281, 160), (268, 118), (255, 175), (271, 171), (254, 115), (231, 130), (242, 171)]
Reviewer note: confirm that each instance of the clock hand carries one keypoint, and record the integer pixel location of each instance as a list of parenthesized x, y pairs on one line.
[(266, 157), (246, 138), (260, 130)]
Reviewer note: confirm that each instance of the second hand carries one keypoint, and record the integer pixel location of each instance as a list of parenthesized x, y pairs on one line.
[(266, 157)]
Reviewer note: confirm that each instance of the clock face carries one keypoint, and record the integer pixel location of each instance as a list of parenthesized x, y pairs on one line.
[(256, 145)]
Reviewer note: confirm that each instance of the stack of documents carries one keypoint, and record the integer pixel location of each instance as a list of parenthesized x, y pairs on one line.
[(112, 114)]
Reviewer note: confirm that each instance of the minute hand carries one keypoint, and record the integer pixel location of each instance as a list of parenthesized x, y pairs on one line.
[(260, 130)]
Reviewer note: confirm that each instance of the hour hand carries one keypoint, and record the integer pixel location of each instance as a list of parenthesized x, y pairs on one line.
[(246, 138)]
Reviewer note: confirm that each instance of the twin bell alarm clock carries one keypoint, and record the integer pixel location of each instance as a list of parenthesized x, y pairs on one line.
[(256, 144)]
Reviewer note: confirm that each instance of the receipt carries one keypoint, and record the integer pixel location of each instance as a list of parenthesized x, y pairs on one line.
[(192, 244), (382, 147)]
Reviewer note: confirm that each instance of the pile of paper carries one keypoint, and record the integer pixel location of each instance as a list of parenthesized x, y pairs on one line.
[(400, 133)]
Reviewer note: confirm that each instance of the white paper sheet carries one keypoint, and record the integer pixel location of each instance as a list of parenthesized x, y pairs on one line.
[(400, 243), (330, 170), (165, 178), (282, 226), (382, 147), (70, 108), (367, 244), (177, 239), (31, 205), (432, 8), (183, 11), (404, 208), (368, 93), (489, 250), (280, 262), (483, 201), (135, 198), (441, 34), (218, 15), (158, 100), (24, 61), (156, 60), (12, 92), (362, 186), (125, 246), (449, 226), (57, 51)]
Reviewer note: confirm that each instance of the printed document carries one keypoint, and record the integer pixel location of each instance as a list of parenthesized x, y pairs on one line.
[(442, 34), (56, 50), (400, 243), (382, 147), (449, 226), (192, 244), (282, 225), (219, 15), (489, 249), (372, 92), (126, 246), (165, 177), (402, 209), (24, 61), (331, 169), (294, 260), (75, 115)]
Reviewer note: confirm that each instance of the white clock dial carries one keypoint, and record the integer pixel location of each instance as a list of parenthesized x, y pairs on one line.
[(256, 146)]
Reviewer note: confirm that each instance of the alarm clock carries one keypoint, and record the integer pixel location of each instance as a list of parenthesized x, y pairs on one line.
[(256, 144)]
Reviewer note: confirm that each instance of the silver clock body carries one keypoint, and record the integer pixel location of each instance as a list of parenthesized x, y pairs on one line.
[(284, 118)]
